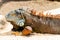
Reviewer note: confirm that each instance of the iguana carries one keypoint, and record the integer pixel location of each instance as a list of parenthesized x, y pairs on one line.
[(21, 18)]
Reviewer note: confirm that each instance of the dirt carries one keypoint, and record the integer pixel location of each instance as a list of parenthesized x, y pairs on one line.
[(37, 5)]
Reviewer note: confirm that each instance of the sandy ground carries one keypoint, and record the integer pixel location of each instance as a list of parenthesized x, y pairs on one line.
[(39, 6)]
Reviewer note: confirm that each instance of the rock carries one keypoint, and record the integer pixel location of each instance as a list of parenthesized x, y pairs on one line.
[(4, 25)]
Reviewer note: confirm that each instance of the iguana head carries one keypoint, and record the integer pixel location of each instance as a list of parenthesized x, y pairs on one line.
[(16, 16)]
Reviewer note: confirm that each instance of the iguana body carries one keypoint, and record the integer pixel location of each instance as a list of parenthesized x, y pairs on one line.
[(38, 24)]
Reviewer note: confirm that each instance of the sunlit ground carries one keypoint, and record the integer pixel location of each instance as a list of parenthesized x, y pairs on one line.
[(39, 6)]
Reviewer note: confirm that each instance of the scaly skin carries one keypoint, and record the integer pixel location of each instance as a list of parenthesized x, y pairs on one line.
[(15, 17), (38, 24)]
